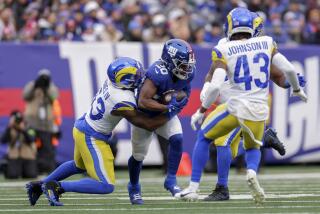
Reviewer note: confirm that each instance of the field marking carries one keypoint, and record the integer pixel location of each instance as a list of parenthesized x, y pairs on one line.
[(283, 176), (57, 209), (157, 203), (161, 198)]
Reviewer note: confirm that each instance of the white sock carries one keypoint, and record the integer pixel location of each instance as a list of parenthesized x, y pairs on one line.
[(251, 171), (194, 186)]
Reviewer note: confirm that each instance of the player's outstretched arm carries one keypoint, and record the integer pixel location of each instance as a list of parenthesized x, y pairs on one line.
[(142, 120), (145, 101), (283, 64)]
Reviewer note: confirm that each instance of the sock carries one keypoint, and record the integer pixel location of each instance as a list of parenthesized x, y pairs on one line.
[(87, 185), (174, 156), (194, 186), (224, 159), (253, 157), (200, 156), (64, 171), (134, 170), (241, 150)]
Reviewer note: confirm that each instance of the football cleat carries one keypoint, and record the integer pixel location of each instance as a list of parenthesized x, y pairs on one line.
[(53, 191), (255, 189), (189, 194), (135, 194), (34, 191), (272, 141), (220, 193), (172, 187)]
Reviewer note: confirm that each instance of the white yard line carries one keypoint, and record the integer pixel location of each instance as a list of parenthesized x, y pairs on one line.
[(59, 209), (268, 177), (162, 198)]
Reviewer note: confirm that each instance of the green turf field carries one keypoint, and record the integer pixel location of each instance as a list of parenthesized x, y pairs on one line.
[(289, 190)]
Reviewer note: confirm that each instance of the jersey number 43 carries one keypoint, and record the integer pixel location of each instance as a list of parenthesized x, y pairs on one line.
[(242, 62)]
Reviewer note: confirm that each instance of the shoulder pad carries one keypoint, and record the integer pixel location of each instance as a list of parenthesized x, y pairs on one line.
[(217, 55)]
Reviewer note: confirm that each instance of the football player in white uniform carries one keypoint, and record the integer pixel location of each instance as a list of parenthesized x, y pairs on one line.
[(228, 145), (246, 61), (92, 154)]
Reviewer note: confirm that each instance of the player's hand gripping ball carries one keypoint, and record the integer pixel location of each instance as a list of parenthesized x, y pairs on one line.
[(166, 97)]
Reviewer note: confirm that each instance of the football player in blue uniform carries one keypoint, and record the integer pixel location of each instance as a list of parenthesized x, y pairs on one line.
[(92, 154), (172, 73)]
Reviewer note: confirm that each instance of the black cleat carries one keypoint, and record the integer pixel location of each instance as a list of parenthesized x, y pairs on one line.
[(53, 191), (34, 191), (221, 193), (272, 141)]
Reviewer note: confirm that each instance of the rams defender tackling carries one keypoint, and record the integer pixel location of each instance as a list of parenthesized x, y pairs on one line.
[(92, 154), (246, 61)]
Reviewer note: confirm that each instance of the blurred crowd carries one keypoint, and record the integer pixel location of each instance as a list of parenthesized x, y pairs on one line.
[(197, 21)]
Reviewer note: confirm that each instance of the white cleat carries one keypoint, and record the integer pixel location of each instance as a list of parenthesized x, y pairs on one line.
[(255, 189), (189, 194)]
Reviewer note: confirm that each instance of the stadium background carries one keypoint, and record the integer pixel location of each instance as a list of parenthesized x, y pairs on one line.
[(76, 40)]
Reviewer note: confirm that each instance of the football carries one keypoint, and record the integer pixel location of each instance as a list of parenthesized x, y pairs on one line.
[(167, 96)]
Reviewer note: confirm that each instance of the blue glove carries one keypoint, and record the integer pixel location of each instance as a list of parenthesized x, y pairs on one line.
[(174, 107), (301, 79)]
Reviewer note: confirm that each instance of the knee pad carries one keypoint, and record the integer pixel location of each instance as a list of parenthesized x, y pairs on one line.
[(176, 141)]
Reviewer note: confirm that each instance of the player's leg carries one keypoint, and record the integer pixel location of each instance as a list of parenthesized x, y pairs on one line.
[(140, 139), (217, 124), (253, 156), (97, 158), (172, 131), (64, 171), (227, 147)]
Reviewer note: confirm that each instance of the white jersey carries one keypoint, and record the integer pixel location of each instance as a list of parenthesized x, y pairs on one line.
[(248, 70), (98, 121)]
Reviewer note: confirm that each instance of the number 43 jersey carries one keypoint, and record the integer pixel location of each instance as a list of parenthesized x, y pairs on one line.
[(98, 121), (248, 70)]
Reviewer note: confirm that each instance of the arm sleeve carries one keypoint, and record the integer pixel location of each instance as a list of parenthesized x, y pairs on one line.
[(214, 88), (287, 68)]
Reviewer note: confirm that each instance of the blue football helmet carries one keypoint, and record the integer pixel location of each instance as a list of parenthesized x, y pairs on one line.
[(239, 20), (258, 24), (179, 58), (126, 73)]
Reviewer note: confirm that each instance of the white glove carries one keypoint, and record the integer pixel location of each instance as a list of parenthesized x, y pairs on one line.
[(301, 95), (204, 91), (196, 118)]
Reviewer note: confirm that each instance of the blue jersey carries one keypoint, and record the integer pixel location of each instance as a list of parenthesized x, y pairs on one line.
[(165, 81)]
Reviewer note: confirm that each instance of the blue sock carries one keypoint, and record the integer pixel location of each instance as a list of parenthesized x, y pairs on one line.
[(87, 185), (134, 170), (224, 159), (65, 170), (253, 157), (241, 150), (200, 156), (174, 156)]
